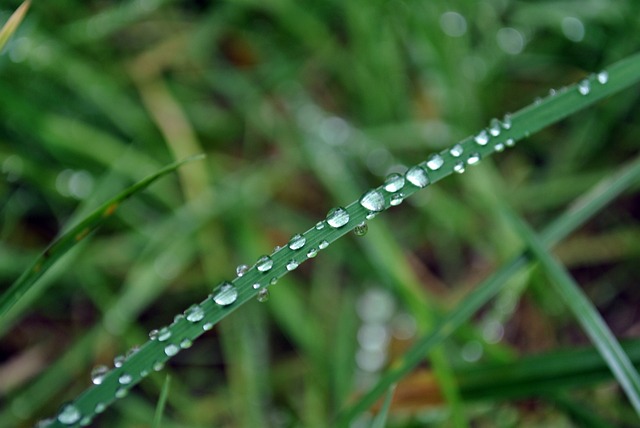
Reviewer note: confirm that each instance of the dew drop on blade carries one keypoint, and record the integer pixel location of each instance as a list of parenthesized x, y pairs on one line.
[(264, 264), (312, 253), (361, 229), (499, 147), (292, 265), (118, 361), (371, 215), (417, 176), (396, 199), (164, 334), (256, 285), (456, 151), (337, 217), (186, 343), (194, 314), (100, 407), (482, 138), (494, 127), (393, 182), (323, 244), (584, 87), (121, 392), (263, 295), (98, 373), (297, 242), (241, 269), (434, 162), (473, 159), (320, 225), (125, 379), (510, 142), (373, 200), (69, 415), (459, 167), (171, 350), (207, 326), (506, 121), (226, 294), (603, 77)]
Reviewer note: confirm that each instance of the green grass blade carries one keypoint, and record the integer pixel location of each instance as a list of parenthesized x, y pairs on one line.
[(586, 314), (162, 401), (577, 214), (381, 418), (74, 235), (12, 24)]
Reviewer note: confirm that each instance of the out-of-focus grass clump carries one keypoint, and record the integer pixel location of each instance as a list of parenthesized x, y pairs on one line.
[(300, 106)]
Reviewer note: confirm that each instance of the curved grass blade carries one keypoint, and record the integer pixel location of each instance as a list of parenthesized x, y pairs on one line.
[(12, 24), (162, 401), (586, 314), (76, 234)]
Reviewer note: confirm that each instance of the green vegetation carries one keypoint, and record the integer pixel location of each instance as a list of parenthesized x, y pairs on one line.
[(429, 314)]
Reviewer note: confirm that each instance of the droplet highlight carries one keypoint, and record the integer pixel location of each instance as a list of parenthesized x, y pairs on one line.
[(458, 167), (312, 253), (98, 373), (171, 350), (338, 217), (194, 314), (297, 242), (264, 264), (373, 200), (396, 199), (361, 229), (435, 162), (125, 379), (506, 121), (118, 361), (263, 295), (226, 294), (69, 415), (603, 77), (393, 182), (584, 87), (482, 138), (494, 127), (510, 142), (499, 147), (242, 269), (473, 159), (323, 244), (456, 151), (164, 334), (292, 265), (186, 343)]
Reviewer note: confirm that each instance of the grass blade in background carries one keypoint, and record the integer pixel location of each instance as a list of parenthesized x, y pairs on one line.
[(76, 234), (12, 24), (586, 314), (380, 420), (162, 401)]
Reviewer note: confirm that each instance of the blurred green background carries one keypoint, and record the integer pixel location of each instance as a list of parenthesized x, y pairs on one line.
[(300, 106)]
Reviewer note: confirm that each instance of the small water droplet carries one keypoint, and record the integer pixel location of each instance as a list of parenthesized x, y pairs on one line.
[(456, 151), (177, 319), (194, 314), (226, 293), (361, 229), (371, 215), (499, 147), (393, 182), (44, 423), (69, 415), (171, 349), (312, 253), (186, 343), (297, 242), (98, 373), (396, 199), (164, 334), (506, 121), (494, 127), (263, 295), (584, 87), (85, 421), (121, 392), (264, 264), (158, 365), (417, 176), (131, 352), (291, 265), (434, 162), (338, 217), (273, 281), (100, 407), (510, 142), (207, 326), (537, 101), (473, 159), (241, 270), (256, 285), (323, 244), (603, 77), (552, 92), (277, 248), (459, 167), (373, 200), (144, 373), (320, 225), (153, 334), (118, 361), (482, 138), (125, 379)]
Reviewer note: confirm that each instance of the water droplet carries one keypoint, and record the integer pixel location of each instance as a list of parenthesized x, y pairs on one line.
[(584, 87), (474, 158), (510, 142), (320, 225), (482, 138), (226, 293), (186, 343), (373, 200), (434, 162), (125, 379), (417, 176), (273, 281), (158, 365), (291, 265), (312, 253), (207, 326), (371, 215), (393, 182), (506, 121), (456, 151), (164, 334), (297, 242), (277, 248), (100, 407), (118, 361), (144, 373), (499, 147), (603, 77), (494, 127), (241, 269), (85, 421), (361, 229), (44, 423), (264, 264), (256, 285), (98, 373), (171, 349), (195, 313), (69, 415), (323, 244), (396, 199), (177, 319), (459, 167), (131, 352), (338, 217), (153, 334), (121, 392), (263, 295)]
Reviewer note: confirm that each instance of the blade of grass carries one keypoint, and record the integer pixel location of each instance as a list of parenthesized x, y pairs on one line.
[(381, 419), (584, 208), (74, 235), (162, 401), (12, 24), (586, 314)]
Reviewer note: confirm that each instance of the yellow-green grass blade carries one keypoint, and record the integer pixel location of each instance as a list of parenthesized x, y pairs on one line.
[(12, 24)]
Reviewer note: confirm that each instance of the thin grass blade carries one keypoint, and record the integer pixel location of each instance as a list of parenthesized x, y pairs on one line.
[(381, 418), (162, 401), (12, 24)]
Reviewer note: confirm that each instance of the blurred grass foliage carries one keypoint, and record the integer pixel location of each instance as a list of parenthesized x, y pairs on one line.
[(94, 96)]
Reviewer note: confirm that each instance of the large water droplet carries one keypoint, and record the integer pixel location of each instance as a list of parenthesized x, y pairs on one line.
[(186, 343), (194, 314), (584, 87), (119, 360), (338, 217), (482, 138), (373, 200), (291, 265), (361, 229), (125, 379), (506, 121), (263, 295), (396, 199), (417, 176), (434, 162), (393, 182), (494, 127), (297, 242), (312, 253), (226, 294), (241, 269), (603, 77), (264, 264), (171, 349), (69, 415), (98, 373), (456, 151), (323, 244), (473, 159), (164, 334), (459, 167)]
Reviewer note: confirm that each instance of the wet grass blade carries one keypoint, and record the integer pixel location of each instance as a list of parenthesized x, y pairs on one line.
[(12, 24), (586, 314), (162, 401), (74, 235)]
